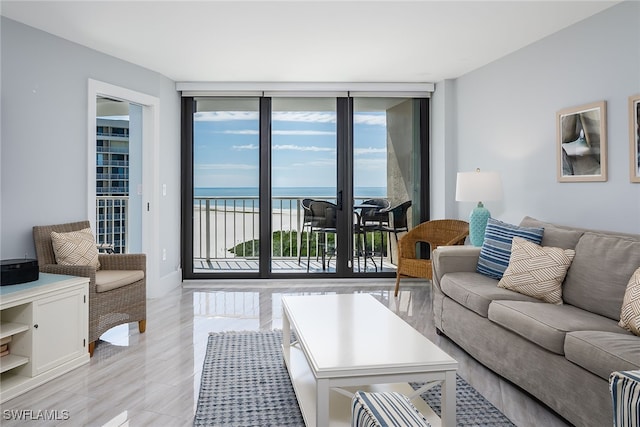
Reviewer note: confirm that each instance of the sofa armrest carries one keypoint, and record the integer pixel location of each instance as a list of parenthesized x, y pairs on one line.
[(449, 259)]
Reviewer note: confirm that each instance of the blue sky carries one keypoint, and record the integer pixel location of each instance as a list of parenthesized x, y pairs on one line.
[(303, 149)]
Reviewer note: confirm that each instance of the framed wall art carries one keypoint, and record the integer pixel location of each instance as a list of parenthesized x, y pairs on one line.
[(634, 138), (582, 143)]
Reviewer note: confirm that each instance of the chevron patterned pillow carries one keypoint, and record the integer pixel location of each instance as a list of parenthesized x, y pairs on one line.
[(75, 248), (537, 271), (630, 314)]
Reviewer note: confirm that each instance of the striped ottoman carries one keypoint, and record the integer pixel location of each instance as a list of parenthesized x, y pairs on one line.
[(384, 409), (625, 392)]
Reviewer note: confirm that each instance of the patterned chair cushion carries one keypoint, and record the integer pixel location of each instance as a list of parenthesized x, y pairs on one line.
[(537, 271), (625, 393), (496, 248), (75, 248), (382, 409)]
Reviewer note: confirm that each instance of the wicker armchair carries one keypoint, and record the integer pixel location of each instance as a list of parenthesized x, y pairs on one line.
[(111, 302), (440, 232)]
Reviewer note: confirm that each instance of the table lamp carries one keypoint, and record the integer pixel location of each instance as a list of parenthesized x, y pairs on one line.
[(478, 187)]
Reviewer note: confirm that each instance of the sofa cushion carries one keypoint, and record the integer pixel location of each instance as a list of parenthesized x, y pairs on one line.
[(600, 271), (107, 280), (603, 352), (75, 248), (556, 236), (476, 291), (630, 313), (547, 324), (496, 247), (537, 271)]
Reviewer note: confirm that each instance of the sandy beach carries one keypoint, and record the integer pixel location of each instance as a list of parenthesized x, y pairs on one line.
[(229, 227)]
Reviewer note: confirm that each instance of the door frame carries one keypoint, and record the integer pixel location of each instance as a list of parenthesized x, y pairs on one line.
[(150, 161)]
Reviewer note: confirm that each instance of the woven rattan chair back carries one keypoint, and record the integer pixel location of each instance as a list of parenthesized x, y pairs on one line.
[(42, 239), (440, 232)]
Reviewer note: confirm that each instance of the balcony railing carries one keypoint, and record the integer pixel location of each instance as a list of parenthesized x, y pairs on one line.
[(228, 227), (111, 217)]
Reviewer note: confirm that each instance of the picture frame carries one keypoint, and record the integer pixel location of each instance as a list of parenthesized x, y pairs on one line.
[(582, 143), (634, 138)]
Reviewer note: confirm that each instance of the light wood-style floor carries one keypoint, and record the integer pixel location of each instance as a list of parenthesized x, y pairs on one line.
[(153, 379)]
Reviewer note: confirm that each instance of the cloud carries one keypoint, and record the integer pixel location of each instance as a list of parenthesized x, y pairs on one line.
[(224, 166), (240, 132), (304, 116), (283, 147), (369, 150), (288, 116), (278, 132), (293, 147), (245, 147), (370, 119), (222, 116), (303, 132)]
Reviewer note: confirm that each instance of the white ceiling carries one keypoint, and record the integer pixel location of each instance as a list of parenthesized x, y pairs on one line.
[(304, 41)]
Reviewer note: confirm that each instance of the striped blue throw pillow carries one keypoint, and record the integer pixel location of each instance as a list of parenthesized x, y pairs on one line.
[(625, 393), (496, 247), (384, 409)]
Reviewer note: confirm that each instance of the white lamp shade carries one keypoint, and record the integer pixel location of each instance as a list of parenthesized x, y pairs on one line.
[(478, 186)]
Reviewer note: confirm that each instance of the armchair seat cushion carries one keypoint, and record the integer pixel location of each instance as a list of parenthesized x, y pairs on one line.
[(107, 280)]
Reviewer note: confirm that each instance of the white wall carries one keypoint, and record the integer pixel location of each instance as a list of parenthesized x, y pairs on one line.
[(505, 120), (44, 131)]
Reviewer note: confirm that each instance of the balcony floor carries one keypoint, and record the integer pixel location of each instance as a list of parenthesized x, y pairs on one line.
[(286, 265)]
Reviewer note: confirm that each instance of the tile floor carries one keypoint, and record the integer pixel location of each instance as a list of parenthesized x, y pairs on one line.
[(153, 379)]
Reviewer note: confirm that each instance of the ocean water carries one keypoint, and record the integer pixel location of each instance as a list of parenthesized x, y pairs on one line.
[(248, 196), (298, 192)]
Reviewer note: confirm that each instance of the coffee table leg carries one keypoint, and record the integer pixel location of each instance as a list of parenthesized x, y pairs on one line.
[(322, 402), (449, 400), (286, 338)]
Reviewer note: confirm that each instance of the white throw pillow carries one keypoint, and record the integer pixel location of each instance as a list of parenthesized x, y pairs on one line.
[(75, 248), (630, 314), (537, 271)]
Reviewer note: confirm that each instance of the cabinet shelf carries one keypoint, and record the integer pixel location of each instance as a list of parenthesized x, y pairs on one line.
[(37, 354), (8, 329), (11, 361)]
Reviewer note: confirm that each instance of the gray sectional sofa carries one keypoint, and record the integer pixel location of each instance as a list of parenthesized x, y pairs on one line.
[(561, 354)]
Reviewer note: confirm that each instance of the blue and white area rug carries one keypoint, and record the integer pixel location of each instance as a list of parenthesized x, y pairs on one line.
[(245, 383)]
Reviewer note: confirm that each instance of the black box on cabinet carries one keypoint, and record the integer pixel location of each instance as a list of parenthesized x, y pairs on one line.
[(16, 271)]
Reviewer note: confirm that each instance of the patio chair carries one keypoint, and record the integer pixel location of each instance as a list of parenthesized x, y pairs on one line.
[(117, 287), (439, 232), (306, 223), (397, 222), (323, 222), (372, 218)]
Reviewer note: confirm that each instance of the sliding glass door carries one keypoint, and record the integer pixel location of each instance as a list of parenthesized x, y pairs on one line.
[(304, 187), (300, 186)]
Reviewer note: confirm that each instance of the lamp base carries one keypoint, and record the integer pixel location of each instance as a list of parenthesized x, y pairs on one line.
[(477, 224)]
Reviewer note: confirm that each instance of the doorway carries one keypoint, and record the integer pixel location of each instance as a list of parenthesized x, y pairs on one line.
[(144, 110)]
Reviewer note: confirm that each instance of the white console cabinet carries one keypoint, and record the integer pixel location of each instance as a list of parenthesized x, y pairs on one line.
[(47, 324)]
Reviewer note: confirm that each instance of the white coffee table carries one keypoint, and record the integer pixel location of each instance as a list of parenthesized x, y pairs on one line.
[(352, 342)]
